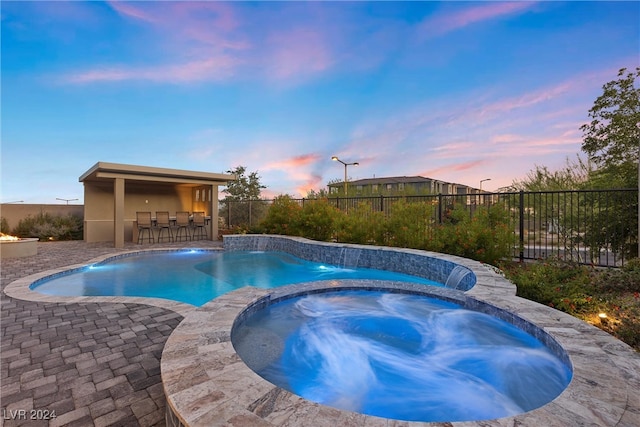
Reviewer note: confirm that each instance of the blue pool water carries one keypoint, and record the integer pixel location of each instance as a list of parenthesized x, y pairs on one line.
[(399, 356), (196, 277)]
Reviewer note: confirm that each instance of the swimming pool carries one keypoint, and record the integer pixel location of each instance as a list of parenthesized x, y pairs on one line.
[(198, 276)]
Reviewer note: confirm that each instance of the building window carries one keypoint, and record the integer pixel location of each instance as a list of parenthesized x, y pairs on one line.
[(401, 186), (389, 187), (359, 188), (374, 188)]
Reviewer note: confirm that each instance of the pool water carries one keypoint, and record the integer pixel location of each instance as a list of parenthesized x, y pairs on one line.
[(196, 277), (400, 356)]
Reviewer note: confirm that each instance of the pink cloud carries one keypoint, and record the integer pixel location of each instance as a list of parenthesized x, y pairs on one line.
[(466, 138), (181, 24), (196, 37), (128, 9), (213, 24), (444, 22), (468, 165), (452, 149), (455, 167), (574, 86), (527, 100), (294, 162), (207, 41), (313, 182), (196, 15), (296, 52), (214, 68), (296, 170)]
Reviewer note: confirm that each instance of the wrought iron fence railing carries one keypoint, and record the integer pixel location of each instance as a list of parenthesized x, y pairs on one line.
[(598, 227)]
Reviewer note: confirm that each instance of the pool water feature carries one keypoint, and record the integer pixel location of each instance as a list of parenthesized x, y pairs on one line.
[(197, 276), (400, 356), (454, 272)]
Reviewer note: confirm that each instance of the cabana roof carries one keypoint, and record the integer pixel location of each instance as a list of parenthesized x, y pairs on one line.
[(103, 171)]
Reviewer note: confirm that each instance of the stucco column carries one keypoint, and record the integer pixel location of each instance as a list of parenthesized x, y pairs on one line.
[(213, 229), (118, 213)]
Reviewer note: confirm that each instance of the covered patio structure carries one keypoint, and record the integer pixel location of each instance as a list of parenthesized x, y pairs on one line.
[(113, 193)]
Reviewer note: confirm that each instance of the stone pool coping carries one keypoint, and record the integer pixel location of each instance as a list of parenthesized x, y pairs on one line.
[(21, 289), (207, 384)]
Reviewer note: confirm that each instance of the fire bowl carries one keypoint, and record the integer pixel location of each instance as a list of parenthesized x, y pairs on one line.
[(18, 248)]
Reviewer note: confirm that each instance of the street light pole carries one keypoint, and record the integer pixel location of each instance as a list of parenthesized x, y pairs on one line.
[(335, 159), (66, 200), (481, 181)]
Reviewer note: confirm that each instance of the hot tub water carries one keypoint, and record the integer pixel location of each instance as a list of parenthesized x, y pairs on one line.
[(400, 356)]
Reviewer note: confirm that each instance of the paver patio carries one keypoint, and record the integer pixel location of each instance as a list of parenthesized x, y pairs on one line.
[(90, 363)]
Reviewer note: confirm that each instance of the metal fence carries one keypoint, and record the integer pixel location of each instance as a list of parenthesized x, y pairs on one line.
[(598, 227)]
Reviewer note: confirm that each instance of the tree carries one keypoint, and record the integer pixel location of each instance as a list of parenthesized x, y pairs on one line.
[(573, 176), (612, 141), (612, 137), (242, 207), (244, 187), (322, 193)]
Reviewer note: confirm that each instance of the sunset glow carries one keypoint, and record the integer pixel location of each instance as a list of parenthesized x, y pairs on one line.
[(456, 91)]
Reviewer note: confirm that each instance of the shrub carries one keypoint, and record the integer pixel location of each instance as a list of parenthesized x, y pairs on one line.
[(361, 225), (409, 224), (317, 220), (282, 217), (555, 283), (625, 279), (629, 330), (485, 236), (4, 225), (584, 292), (45, 226)]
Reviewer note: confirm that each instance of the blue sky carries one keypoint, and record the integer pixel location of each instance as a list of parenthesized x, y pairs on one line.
[(457, 91)]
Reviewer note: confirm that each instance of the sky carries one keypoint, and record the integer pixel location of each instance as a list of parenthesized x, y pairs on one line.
[(456, 91)]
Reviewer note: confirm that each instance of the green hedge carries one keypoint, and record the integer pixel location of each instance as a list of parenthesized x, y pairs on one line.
[(484, 236)]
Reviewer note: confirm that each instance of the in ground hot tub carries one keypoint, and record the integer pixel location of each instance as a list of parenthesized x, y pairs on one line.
[(398, 355)]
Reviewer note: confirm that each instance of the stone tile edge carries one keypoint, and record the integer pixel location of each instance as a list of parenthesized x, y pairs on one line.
[(21, 288)]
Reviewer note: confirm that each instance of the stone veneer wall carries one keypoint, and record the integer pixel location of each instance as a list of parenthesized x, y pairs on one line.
[(441, 268)]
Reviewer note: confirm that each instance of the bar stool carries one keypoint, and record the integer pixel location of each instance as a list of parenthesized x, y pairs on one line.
[(182, 225), (143, 220), (199, 226), (163, 224)]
